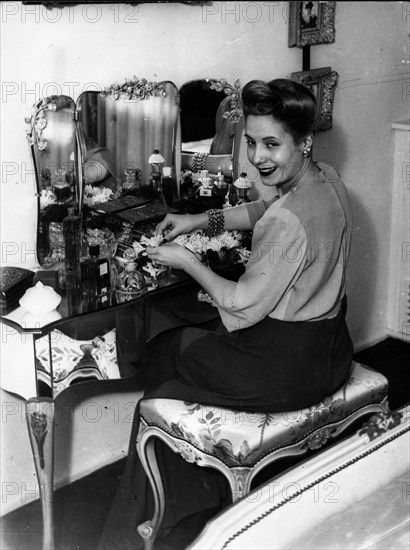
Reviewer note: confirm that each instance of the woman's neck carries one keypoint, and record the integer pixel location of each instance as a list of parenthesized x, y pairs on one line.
[(306, 170)]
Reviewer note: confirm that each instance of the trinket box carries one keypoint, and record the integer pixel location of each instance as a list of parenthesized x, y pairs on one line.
[(118, 205), (14, 281), (145, 214)]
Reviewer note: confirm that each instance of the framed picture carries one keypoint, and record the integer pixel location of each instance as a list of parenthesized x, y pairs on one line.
[(322, 82), (311, 23)]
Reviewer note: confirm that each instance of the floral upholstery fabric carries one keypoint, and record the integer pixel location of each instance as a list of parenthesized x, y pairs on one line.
[(71, 359), (242, 439)]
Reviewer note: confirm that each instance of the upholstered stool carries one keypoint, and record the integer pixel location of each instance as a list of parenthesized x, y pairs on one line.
[(240, 444)]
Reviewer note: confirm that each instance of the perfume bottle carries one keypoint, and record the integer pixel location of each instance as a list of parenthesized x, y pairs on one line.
[(156, 160), (129, 284), (72, 231), (45, 178), (243, 185), (168, 186), (95, 279), (132, 183), (186, 186), (207, 193), (232, 195), (124, 247), (43, 236), (220, 182), (61, 186)]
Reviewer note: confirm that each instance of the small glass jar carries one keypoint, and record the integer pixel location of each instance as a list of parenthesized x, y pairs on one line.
[(61, 186), (129, 284)]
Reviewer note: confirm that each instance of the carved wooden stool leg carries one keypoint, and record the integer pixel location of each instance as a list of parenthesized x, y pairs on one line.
[(241, 482), (40, 423), (149, 529)]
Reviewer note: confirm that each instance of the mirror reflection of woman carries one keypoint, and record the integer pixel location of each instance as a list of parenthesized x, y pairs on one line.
[(281, 342), (99, 167)]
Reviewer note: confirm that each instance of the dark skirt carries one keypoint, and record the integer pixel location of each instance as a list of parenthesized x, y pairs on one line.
[(272, 366)]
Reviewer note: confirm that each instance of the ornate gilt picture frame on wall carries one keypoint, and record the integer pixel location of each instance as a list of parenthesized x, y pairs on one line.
[(311, 23), (322, 82)]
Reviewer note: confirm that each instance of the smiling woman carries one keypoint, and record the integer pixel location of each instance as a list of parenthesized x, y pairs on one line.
[(279, 123), (281, 341)]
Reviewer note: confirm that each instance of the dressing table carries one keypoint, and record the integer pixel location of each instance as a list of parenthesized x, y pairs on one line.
[(108, 135)]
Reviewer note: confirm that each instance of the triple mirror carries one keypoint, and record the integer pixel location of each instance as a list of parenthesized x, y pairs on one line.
[(106, 137)]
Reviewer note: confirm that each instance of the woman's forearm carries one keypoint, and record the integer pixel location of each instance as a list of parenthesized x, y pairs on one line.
[(236, 218), (213, 284)]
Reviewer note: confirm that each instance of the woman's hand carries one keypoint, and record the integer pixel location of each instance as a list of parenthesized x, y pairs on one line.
[(171, 255), (176, 224)]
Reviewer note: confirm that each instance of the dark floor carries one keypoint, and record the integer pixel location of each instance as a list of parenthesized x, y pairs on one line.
[(81, 508)]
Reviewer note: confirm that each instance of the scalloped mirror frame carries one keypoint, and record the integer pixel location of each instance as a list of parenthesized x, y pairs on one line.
[(132, 89), (228, 116)]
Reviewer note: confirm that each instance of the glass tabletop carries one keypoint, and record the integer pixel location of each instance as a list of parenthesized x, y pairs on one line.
[(74, 304)]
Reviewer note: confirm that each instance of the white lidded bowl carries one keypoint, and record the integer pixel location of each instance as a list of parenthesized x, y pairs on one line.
[(40, 299)]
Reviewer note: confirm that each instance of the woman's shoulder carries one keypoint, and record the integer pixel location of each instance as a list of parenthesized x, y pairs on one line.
[(328, 171), (336, 185), (278, 218), (326, 193)]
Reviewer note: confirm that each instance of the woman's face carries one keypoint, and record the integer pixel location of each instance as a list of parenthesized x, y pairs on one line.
[(272, 150)]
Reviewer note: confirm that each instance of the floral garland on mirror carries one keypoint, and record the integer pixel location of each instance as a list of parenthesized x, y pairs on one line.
[(135, 88), (234, 94), (37, 121)]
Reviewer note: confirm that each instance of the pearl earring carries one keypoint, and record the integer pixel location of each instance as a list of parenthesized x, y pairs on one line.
[(306, 152)]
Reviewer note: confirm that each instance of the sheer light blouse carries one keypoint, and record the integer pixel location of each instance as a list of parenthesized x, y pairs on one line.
[(300, 251)]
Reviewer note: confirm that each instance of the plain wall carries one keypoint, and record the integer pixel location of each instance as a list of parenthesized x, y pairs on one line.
[(64, 51)]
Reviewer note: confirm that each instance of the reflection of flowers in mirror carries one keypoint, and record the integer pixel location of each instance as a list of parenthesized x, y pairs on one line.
[(96, 195), (47, 197)]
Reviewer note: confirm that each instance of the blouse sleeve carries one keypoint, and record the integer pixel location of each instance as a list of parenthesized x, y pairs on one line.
[(256, 210), (277, 258)]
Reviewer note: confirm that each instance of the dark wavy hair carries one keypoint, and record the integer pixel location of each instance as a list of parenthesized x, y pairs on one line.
[(287, 101)]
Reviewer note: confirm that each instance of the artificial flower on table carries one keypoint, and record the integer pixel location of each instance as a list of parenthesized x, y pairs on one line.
[(153, 241), (151, 269), (229, 246), (140, 246), (202, 245)]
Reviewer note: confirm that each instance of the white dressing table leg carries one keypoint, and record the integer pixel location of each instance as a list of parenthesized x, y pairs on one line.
[(40, 424)]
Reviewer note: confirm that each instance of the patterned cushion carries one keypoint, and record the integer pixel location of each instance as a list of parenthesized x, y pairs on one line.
[(71, 359), (242, 439)]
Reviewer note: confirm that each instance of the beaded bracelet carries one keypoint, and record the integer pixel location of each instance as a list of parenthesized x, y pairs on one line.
[(216, 222)]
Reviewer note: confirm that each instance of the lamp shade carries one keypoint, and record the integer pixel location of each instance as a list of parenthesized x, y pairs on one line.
[(156, 157)]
